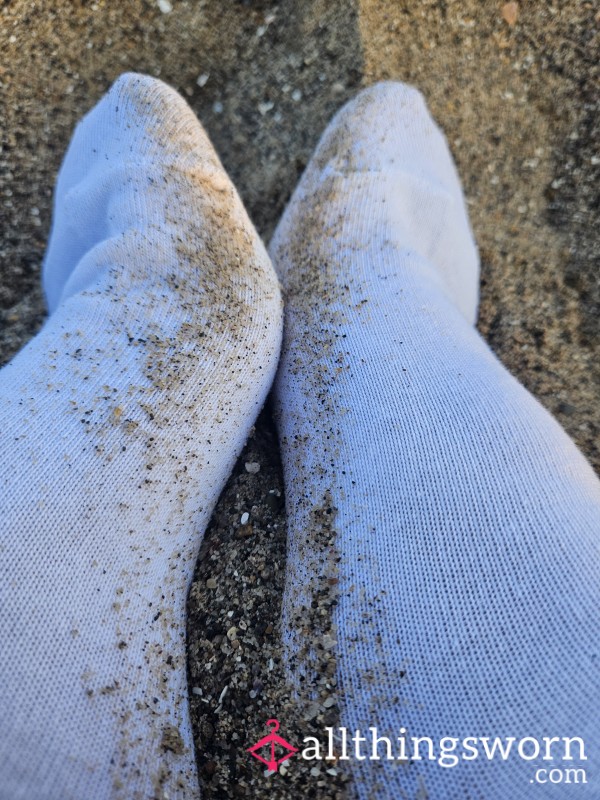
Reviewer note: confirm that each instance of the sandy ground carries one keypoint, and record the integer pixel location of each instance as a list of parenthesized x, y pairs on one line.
[(518, 101)]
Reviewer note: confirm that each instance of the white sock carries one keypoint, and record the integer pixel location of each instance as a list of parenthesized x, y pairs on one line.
[(120, 423), (460, 520)]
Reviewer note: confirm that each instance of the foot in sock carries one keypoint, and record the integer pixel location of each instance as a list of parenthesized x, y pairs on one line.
[(121, 421), (456, 520)]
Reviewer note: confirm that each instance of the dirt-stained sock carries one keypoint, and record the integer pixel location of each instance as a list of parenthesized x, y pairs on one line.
[(120, 423), (442, 576)]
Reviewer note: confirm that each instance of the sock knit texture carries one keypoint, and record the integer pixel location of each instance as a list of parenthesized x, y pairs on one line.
[(120, 424), (443, 529)]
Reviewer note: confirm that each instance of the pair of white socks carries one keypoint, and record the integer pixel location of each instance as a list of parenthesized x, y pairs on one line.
[(456, 520)]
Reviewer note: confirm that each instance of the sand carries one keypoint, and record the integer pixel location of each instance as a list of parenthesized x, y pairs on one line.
[(518, 101)]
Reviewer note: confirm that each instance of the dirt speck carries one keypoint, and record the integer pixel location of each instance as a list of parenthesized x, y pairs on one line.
[(171, 740), (510, 13)]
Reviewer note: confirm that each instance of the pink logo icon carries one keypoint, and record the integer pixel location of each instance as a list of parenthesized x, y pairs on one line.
[(273, 740)]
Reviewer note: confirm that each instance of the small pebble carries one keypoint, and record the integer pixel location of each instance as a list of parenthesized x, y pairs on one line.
[(252, 467), (202, 80), (244, 518), (311, 712), (209, 769), (510, 12), (211, 583), (265, 107), (165, 6)]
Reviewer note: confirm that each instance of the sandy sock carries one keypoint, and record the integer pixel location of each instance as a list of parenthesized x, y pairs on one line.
[(443, 528), (120, 423)]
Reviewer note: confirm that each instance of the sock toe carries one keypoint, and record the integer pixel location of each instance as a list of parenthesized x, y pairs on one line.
[(383, 171), (112, 129), (140, 137), (381, 115)]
